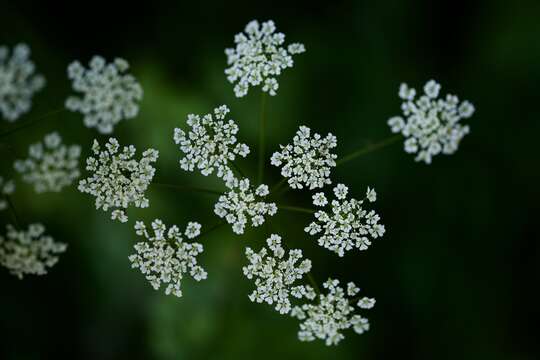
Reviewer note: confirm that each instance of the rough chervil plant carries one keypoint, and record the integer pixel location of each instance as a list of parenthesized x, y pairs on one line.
[(243, 203), (164, 257), (50, 165), (7, 187), (432, 124), (18, 81), (308, 160), (29, 252), (259, 58), (348, 225), (210, 144), (276, 277), (109, 95), (118, 180), (333, 314)]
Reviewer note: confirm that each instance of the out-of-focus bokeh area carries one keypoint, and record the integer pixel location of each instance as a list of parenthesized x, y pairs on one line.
[(455, 276)]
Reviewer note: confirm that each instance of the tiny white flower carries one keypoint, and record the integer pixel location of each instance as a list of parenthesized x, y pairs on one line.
[(193, 229), (18, 83), (341, 191), (7, 187), (29, 252), (109, 95), (308, 160), (259, 58), (319, 199), (164, 257), (366, 303), (371, 195), (118, 180), (50, 165)]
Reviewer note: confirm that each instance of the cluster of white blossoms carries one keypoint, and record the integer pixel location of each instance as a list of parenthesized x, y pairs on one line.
[(431, 125), (164, 258), (109, 95), (118, 179), (347, 225), (210, 143), (7, 187), (259, 57), (275, 276), (29, 252), (242, 203), (18, 83), (308, 160), (332, 315), (50, 165)]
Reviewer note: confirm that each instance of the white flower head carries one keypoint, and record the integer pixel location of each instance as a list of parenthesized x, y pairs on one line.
[(259, 58), (276, 276), (308, 160), (431, 125), (210, 143), (109, 95), (7, 187), (29, 252), (118, 179), (164, 257), (50, 165), (18, 82), (242, 203), (347, 224), (331, 316)]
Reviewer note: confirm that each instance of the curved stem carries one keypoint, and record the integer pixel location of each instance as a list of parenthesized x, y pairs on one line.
[(30, 122), (368, 149), (262, 125), (297, 209), (189, 188)]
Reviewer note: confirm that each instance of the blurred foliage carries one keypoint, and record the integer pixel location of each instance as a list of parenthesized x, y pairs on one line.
[(455, 277)]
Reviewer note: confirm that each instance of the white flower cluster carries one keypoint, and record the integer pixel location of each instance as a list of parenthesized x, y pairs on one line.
[(275, 276), (118, 179), (109, 95), (29, 252), (7, 187), (431, 125), (50, 165), (259, 58), (18, 83), (242, 203), (333, 314), (308, 160), (165, 257), (210, 143), (348, 224)]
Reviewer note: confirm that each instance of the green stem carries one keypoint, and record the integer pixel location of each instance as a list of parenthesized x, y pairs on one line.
[(212, 228), (314, 284), (368, 149), (189, 188), (13, 212), (262, 125), (237, 168), (297, 209), (278, 185), (30, 122)]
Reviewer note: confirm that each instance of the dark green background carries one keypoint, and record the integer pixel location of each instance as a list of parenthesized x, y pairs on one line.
[(456, 275)]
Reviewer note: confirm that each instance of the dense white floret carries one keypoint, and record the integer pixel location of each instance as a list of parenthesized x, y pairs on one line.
[(50, 165), (29, 252), (109, 95), (118, 180), (259, 58), (432, 124), (308, 160), (18, 83), (275, 276), (164, 257)]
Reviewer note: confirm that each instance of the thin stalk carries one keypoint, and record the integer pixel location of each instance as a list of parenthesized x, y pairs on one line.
[(189, 188), (297, 209), (13, 212), (262, 145), (368, 149), (30, 122), (278, 185), (314, 284), (212, 228), (238, 170)]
